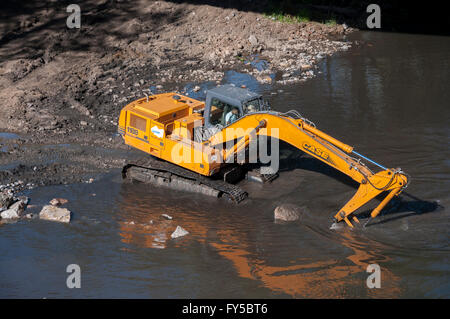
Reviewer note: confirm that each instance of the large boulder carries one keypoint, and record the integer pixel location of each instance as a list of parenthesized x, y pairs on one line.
[(14, 211), (288, 212), (179, 232), (54, 213)]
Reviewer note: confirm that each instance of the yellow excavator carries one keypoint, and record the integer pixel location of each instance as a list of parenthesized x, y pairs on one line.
[(205, 146)]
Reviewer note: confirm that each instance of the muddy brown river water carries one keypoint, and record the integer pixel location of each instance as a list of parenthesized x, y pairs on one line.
[(389, 98)]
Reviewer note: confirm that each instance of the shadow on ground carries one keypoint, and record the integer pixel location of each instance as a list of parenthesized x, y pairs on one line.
[(396, 16), (29, 28)]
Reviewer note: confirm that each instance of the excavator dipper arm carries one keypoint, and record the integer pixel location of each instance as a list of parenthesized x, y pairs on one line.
[(302, 134)]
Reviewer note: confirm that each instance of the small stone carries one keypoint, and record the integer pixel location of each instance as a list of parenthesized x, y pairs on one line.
[(287, 212), (306, 67), (267, 79), (253, 40), (336, 226), (196, 88), (53, 213), (83, 123), (167, 216), (179, 232), (404, 226), (58, 201)]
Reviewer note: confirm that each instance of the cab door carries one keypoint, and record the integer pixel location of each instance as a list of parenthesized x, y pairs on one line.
[(137, 131), (156, 134)]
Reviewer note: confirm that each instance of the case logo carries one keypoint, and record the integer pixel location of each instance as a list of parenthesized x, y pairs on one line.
[(317, 151)]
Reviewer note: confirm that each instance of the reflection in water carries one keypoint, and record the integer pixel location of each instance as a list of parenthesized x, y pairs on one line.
[(141, 225), (151, 234), (306, 278)]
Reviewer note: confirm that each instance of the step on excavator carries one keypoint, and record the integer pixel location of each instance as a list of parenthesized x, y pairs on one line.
[(196, 146)]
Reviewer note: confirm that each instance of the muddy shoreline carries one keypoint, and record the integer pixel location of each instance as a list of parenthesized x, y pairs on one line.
[(66, 87)]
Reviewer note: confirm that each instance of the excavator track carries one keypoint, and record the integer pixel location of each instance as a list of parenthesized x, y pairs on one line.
[(158, 172)]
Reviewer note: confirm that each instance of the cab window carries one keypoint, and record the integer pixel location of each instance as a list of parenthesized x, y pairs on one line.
[(252, 106), (218, 111), (138, 122)]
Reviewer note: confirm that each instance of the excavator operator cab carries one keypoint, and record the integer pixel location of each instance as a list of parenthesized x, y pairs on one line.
[(227, 103)]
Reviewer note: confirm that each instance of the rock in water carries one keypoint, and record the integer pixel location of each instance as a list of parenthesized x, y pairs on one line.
[(166, 216), (53, 213), (9, 214), (6, 199), (287, 212), (24, 199), (335, 226), (58, 201), (179, 232), (15, 211)]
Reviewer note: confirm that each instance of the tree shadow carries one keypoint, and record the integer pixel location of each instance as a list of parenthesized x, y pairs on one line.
[(29, 29), (396, 16)]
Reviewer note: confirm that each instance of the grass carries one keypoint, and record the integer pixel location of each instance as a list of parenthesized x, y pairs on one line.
[(302, 16), (298, 18), (297, 11)]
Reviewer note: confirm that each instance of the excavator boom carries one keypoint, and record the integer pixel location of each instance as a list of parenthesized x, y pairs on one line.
[(303, 135)]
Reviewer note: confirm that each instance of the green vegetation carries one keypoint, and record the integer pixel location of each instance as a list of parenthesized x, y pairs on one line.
[(302, 16), (297, 11), (330, 22)]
